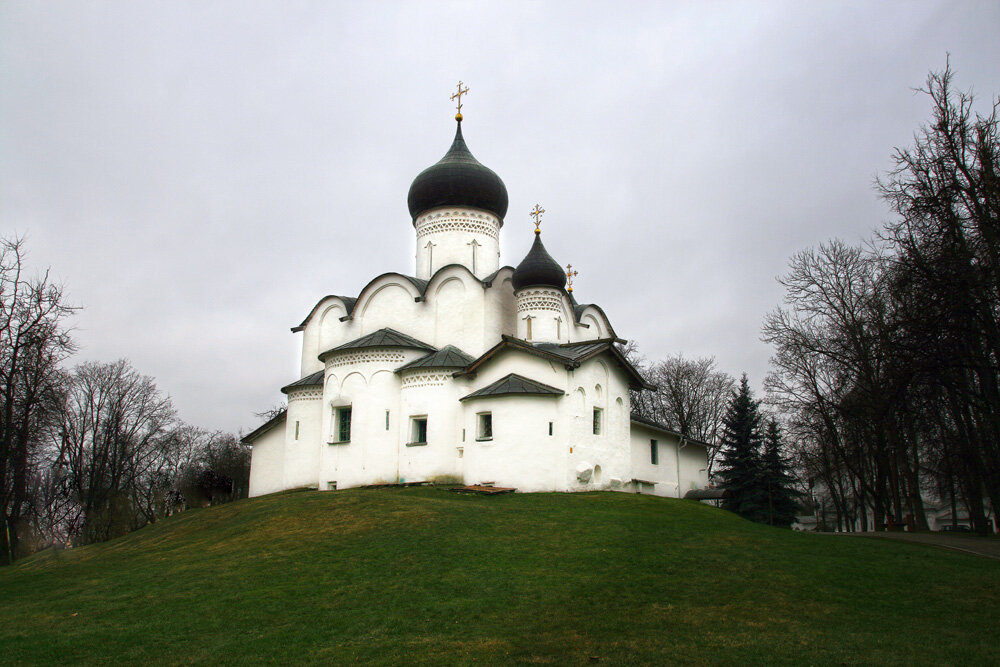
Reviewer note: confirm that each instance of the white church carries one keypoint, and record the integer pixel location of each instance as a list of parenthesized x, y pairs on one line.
[(467, 372)]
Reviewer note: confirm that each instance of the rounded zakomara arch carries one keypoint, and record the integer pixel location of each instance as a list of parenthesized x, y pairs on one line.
[(450, 272), (594, 317), (329, 323), (379, 283)]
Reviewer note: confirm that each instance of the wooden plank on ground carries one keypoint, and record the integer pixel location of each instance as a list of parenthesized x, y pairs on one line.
[(483, 490)]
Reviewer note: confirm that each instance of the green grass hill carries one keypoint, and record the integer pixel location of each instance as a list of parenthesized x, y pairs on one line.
[(424, 576)]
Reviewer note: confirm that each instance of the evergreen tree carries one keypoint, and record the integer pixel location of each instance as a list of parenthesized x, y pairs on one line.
[(740, 470), (778, 480)]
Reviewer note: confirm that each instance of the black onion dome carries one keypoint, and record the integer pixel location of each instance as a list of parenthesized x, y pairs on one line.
[(538, 268), (458, 179)]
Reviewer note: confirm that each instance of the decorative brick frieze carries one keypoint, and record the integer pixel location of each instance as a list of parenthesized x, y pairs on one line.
[(539, 299), (415, 380), (460, 221), (375, 356)]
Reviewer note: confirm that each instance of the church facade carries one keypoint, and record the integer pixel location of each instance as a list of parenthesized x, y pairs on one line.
[(466, 372)]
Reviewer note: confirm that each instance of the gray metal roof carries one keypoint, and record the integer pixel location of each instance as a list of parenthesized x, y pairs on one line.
[(382, 338), (448, 356), (265, 427), (538, 268), (349, 303), (457, 179), (569, 354), (706, 494), (514, 384), (652, 423), (578, 309), (577, 351), (314, 380)]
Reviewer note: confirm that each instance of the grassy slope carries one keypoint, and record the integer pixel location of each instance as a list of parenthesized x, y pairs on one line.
[(426, 576)]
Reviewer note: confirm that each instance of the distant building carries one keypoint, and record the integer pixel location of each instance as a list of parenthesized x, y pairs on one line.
[(467, 371)]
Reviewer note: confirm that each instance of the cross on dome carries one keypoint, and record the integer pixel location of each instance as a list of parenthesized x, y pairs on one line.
[(536, 213), (570, 273), (458, 96)]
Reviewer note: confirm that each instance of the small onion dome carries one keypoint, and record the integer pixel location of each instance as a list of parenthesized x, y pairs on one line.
[(458, 179), (538, 268)]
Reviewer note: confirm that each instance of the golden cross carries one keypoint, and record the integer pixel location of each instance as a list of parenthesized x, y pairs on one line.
[(458, 96), (536, 213), (569, 276)]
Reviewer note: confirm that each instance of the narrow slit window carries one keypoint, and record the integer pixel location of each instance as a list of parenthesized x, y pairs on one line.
[(296, 430), (597, 421), (654, 452), (550, 428)]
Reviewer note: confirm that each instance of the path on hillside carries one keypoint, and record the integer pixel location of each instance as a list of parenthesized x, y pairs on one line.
[(988, 547)]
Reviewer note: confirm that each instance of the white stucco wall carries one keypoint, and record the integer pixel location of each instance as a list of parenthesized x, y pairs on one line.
[(267, 462), (454, 307), (694, 467), (691, 460), (605, 455), (521, 454), (465, 236)]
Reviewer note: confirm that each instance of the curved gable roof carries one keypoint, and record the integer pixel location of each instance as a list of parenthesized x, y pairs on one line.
[(419, 284), (571, 355), (580, 308), (382, 338), (314, 380), (448, 356), (349, 303), (514, 384)]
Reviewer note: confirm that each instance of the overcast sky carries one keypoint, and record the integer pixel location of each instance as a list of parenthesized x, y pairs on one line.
[(199, 174)]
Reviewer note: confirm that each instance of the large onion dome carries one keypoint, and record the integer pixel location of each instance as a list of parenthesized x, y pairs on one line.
[(458, 179), (538, 269)]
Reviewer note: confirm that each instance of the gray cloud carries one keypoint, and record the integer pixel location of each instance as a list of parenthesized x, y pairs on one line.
[(200, 174)]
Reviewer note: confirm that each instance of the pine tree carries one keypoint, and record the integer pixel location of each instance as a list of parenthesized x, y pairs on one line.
[(741, 467), (778, 480)]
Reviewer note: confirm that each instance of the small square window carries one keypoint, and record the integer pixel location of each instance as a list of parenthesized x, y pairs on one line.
[(654, 452), (331, 486), (484, 426), (418, 431), (597, 420)]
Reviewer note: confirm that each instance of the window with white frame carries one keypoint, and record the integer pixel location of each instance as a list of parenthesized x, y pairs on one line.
[(484, 426), (418, 430)]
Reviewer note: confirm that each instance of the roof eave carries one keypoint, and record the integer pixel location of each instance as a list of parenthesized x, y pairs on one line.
[(264, 428)]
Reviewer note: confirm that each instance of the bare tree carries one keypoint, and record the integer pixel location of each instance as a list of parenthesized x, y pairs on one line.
[(33, 343), (691, 395), (945, 190), (111, 441)]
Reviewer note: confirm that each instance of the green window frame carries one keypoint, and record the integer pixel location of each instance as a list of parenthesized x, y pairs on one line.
[(344, 424)]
